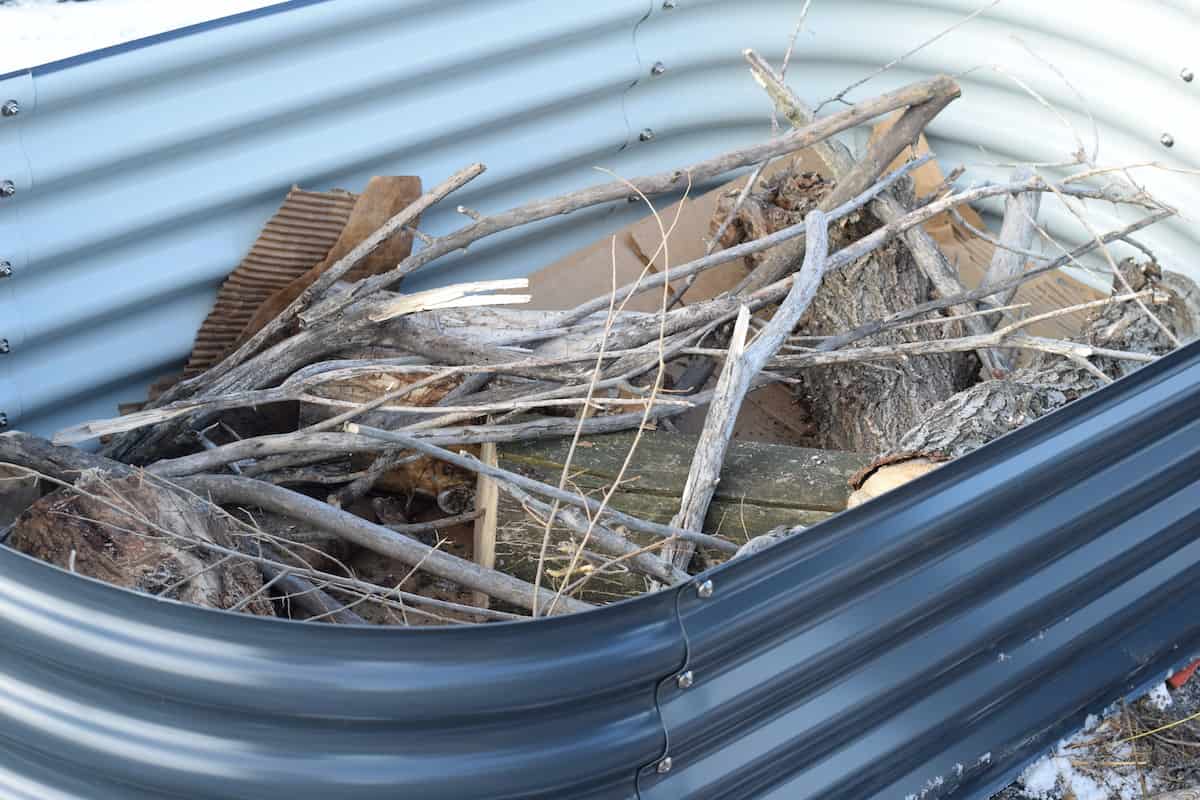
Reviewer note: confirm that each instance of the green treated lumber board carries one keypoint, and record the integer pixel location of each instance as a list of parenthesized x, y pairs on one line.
[(755, 473), (763, 486)]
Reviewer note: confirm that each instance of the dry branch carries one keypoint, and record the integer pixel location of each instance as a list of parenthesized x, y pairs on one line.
[(740, 368)]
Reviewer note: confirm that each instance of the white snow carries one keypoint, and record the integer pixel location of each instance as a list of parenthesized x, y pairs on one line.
[(1160, 697), (38, 31), (1055, 776)]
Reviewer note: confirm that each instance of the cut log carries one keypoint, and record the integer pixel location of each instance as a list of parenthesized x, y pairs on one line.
[(1125, 326), (763, 487), (857, 407), (992, 408)]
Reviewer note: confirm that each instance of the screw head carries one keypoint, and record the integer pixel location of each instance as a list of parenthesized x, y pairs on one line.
[(5, 269), (7, 188), (1167, 140), (669, 4), (658, 69), (1187, 75), (4, 347), (647, 135), (705, 590), (11, 108), (685, 680), (664, 766), (3, 420)]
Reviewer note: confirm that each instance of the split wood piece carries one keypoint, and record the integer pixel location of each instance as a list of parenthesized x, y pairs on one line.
[(66, 463), (142, 536), (673, 181), (1129, 329), (486, 498), (616, 574), (740, 368), (763, 487), (1016, 234), (990, 409), (594, 506)]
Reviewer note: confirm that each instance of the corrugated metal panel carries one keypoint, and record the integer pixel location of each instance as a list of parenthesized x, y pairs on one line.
[(930, 644), (109, 695), (966, 619), (144, 172), (925, 645)]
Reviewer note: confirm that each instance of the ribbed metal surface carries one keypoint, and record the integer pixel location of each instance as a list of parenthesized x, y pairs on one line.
[(929, 644), (925, 645), (967, 619), (107, 694), (143, 173)]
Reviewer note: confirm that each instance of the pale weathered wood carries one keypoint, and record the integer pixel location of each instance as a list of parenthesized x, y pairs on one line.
[(1016, 234), (486, 498), (673, 181), (741, 365)]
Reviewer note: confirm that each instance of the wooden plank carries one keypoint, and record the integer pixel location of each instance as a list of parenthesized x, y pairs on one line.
[(486, 497), (763, 486), (755, 473)]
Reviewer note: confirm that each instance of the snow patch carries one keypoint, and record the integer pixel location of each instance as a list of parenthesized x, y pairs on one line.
[(39, 31), (1160, 697)]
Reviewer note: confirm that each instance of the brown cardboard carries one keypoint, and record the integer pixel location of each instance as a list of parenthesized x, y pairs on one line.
[(972, 255)]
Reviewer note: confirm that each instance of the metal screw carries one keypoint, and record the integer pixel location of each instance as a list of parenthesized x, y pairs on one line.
[(664, 766), (1167, 140), (1187, 75), (10, 108), (669, 4), (4, 348), (7, 189), (705, 590), (685, 680), (647, 135), (3, 420), (658, 69), (5, 269)]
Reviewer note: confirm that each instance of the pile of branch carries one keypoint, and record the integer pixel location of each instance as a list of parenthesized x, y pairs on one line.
[(400, 398)]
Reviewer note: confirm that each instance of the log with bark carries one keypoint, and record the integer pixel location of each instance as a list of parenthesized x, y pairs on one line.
[(990, 409)]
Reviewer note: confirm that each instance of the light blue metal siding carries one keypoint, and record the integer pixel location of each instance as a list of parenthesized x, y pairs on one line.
[(143, 174)]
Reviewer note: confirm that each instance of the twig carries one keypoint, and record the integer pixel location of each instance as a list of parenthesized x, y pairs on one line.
[(740, 367), (603, 539), (326, 280), (505, 476), (840, 97), (901, 317), (230, 489), (675, 180)]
